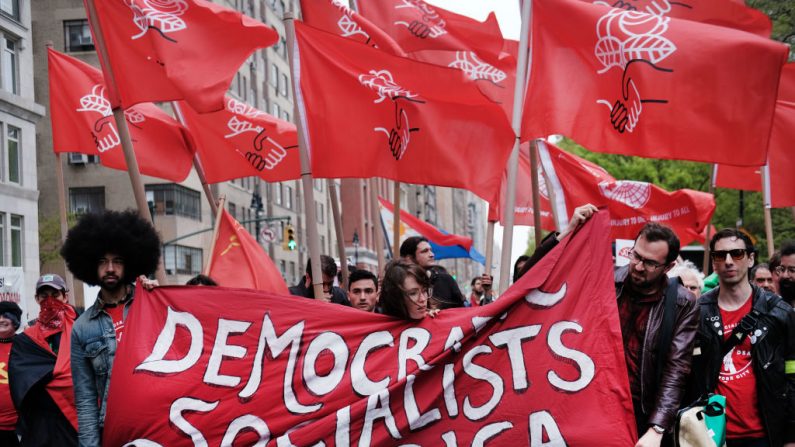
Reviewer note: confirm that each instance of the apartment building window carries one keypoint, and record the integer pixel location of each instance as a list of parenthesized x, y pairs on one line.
[(274, 79), (9, 64), (292, 272), (13, 159), (77, 36), (288, 197), (2, 239), (318, 183), (87, 200), (283, 85), (320, 212), (182, 260), (275, 109), (277, 193), (16, 240), (10, 8), (172, 199), (283, 267), (285, 115), (233, 210)]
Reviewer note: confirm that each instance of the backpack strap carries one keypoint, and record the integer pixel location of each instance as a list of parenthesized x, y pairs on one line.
[(742, 330), (667, 326)]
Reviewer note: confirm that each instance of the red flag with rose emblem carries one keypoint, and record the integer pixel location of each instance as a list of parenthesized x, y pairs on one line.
[(82, 121), (163, 50), (241, 141), (396, 118), (650, 85)]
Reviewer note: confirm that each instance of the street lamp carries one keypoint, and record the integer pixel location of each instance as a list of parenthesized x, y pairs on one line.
[(355, 248)]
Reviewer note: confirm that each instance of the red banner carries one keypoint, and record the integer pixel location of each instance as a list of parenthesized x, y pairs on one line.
[(238, 260), (397, 118), (221, 366), (241, 141), (177, 49), (648, 85), (82, 121)]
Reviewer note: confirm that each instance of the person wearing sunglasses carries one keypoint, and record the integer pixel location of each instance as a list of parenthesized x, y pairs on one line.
[(785, 273), (745, 349)]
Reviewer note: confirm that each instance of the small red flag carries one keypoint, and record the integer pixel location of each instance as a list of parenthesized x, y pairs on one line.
[(397, 118), (82, 121), (425, 229), (241, 141), (239, 261), (715, 12), (176, 49), (638, 84)]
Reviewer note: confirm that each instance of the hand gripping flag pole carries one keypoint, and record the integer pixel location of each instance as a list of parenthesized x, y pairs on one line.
[(513, 161), (124, 131)]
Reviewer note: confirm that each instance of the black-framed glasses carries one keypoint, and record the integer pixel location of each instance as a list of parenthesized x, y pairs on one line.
[(720, 255), (780, 270), (648, 264)]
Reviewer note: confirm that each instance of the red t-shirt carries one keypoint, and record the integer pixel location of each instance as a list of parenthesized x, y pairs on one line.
[(8, 415), (117, 315), (737, 382)]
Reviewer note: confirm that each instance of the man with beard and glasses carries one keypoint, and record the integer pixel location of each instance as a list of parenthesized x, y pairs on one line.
[(785, 273), (39, 373), (657, 314), (108, 250), (746, 349)]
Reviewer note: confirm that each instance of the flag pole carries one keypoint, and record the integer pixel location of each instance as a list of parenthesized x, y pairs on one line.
[(124, 131), (708, 235), (306, 168), (513, 161), (552, 191), (216, 227), (197, 164), (396, 222), (335, 211), (70, 283), (489, 245), (375, 218), (765, 171)]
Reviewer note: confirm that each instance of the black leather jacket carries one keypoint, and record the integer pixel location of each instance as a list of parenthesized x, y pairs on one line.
[(772, 356)]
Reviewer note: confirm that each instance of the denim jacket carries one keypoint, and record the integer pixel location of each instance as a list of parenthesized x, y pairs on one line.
[(93, 350)]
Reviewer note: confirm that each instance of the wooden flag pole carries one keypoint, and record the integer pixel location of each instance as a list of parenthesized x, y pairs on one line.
[(708, 234), (536, 196), (378, 228), (124, 132), (513, 161), (197, 164), (552, 191), (70, 282), (771, 248), (396, 222), (335, 211), (306, 168), (216, 227), (489, 245)]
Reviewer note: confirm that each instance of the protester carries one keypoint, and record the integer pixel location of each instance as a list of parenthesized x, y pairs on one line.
[(39, 372), (446, 294), (10, 316), (363, 290), (657, 357), (405, 292), (774, 262), (756, 369), (201, 280), (785, 273), (762, 276), (109, 250), (517, 266), (690, 276), (477, 291), (331, 293)]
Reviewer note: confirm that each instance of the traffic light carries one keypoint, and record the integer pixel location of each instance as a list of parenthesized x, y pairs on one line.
[(289, 242)]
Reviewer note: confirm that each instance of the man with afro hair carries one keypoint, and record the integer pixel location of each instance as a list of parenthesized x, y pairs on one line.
[(109, 250)]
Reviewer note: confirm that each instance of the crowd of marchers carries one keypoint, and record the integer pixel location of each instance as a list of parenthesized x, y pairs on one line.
[(684, 336)]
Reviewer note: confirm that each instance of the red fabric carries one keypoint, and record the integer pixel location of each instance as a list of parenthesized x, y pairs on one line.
[(241, 141), (116, 314), (715, 12), (321, 363), (8, 414), (82, 122), (427, 230), (60, 387), (161, 50), (415, 25), (631, 203), (598, 76), (737, 381), (397, 118), (239, 261)]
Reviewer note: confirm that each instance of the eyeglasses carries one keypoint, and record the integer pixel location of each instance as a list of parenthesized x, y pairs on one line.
[(414, 295), (780, 270), (720, 255), (648, 264)]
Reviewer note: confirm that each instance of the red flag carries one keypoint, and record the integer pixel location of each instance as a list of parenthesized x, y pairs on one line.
[(415, 25), (636, 84), (239, 261), (241, 141), (396, 118), (242, 367), (176, 49), (424, 229), (715, 12), (574, 181), (82, 121)]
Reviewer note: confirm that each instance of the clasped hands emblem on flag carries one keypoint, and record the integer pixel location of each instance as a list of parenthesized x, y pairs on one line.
[(237, 126), (106, 138), (431, 24)]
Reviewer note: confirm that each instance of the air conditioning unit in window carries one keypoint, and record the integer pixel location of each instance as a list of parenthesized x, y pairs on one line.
[(77, 159)]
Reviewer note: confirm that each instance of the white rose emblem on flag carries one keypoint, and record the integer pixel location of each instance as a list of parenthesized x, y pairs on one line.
[(105, 135), (159, 15)]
